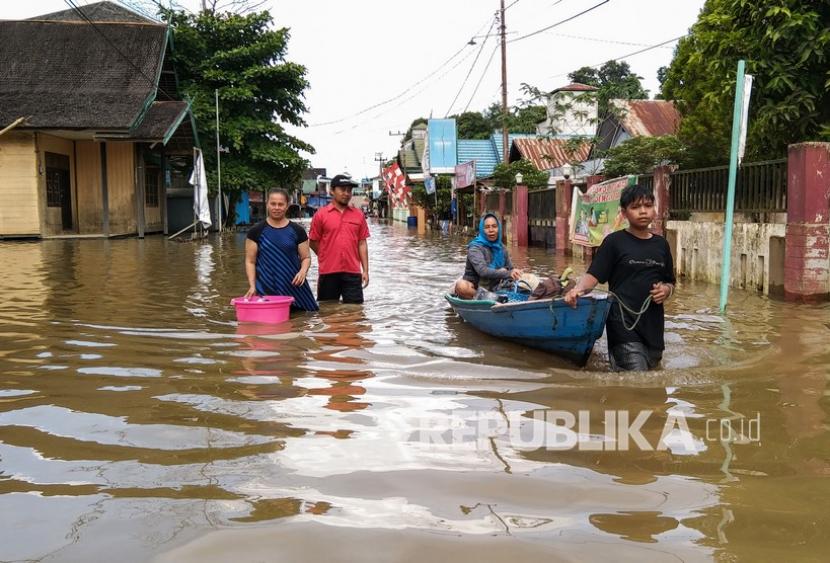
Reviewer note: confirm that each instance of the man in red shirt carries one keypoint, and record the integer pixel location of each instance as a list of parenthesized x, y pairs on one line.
[(338, 236)]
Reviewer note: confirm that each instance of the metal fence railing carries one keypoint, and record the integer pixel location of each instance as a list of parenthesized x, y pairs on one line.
[(761, 187), (646, 180), (541, 207)]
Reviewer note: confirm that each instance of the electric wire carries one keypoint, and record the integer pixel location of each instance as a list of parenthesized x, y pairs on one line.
[(418, 92), (481, 79), (402, 93), (637, 52), (600, 40), (472, 67), (546, 28)]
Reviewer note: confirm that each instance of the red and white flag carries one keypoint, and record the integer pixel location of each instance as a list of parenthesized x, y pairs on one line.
[(395, 181)]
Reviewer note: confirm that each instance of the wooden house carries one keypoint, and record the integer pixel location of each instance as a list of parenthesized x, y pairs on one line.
[(93, 131)]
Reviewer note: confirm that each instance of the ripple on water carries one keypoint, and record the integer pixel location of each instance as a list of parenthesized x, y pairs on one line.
[(90, 344), (120, 372)]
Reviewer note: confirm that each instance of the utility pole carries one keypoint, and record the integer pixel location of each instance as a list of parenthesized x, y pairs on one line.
[(381, 181), (379, 159), (503, 31)]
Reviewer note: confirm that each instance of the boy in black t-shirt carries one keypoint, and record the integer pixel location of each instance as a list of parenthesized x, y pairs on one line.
[(637, 265)]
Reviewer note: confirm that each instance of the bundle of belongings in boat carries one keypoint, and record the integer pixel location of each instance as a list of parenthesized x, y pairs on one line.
[(529, 287)]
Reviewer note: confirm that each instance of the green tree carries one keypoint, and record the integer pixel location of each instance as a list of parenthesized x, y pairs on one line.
[(437, 207), (614, 80), (786, 44), (473, 125), (639, 155), (521, 118), (525, 119), (408, 135), (505, 174), (243, 57), (586, 75)]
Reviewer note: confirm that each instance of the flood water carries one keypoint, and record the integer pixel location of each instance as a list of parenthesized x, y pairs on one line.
[(138, 421)]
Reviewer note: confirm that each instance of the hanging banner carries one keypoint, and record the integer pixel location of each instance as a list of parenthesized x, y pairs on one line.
[(465, 174), (596, 213), (429, 184), (744, 117), (198, 179)]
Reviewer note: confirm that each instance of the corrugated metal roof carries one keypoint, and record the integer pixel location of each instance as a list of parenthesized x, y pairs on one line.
[(497, 141), (576, 87), (482, 151), (648, 118), (546, 154)]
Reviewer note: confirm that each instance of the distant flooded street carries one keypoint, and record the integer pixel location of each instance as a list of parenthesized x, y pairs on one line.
[(139, 421)]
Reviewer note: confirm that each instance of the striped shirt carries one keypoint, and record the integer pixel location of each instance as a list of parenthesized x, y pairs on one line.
[(278, 261)]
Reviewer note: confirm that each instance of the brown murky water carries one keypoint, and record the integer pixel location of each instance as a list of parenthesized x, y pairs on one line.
[(138, 421)]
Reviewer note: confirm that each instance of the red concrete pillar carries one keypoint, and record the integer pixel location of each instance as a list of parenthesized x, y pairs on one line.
[(564, 195), (482, 203), (662, 179), (807, 256), (519, 219)]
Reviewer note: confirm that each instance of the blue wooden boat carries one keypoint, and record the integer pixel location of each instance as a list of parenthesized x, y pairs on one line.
[(546, 324)]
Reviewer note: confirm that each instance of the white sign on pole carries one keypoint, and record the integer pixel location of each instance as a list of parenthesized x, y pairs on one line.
[(744, 116)]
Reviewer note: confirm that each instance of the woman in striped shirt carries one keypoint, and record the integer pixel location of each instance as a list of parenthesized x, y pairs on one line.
[(277, 256)]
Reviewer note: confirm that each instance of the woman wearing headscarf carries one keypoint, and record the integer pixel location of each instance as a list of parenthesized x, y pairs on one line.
[(487, 260)]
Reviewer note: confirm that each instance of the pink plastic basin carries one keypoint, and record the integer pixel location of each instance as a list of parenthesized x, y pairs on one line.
[(271, 309)]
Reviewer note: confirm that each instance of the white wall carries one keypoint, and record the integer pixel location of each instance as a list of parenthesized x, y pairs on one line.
[(570, 114), (757, 260)]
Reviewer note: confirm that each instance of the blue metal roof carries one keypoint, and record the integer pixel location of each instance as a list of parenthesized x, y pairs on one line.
[(482, 151), (487, 152)]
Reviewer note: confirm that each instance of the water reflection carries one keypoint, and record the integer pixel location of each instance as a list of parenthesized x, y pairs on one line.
[(133, 406)]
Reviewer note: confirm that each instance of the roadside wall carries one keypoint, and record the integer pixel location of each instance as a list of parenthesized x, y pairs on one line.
[(757, 251)]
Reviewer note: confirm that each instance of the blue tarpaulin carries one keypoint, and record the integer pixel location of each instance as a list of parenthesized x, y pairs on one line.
[(243, 209)]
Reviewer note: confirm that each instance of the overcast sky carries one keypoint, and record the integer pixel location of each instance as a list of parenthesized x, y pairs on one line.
[(360, 53)]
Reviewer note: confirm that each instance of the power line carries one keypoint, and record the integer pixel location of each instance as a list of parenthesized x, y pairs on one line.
[(480, 80), (152, 81), (401, 94), (649, 48), (538, 31), (600, 40), (472, 66), (424, 86), (393, 98)]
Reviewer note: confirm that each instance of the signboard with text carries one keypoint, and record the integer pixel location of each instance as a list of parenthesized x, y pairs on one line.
[(465, 174), (596, 213)]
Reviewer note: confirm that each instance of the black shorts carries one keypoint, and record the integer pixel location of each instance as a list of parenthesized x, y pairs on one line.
[(331, 287)]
